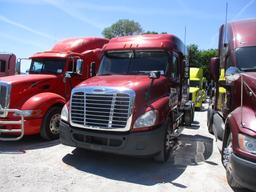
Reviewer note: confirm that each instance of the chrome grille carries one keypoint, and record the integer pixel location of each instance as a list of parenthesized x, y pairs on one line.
[(4, 98), (108, 110)]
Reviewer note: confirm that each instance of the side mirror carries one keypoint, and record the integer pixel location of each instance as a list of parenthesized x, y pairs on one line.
[(92, 69), (79, 66), (214, 68), (154, 75), (18, 66), (232, 74)]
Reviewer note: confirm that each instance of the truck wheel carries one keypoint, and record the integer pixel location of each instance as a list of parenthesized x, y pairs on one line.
[(209, 121), (168, 144), (51, 122), (226, 160), (189, 116)]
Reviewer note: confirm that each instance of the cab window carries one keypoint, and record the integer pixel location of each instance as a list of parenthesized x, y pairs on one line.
[(174, 67), (2, 66)]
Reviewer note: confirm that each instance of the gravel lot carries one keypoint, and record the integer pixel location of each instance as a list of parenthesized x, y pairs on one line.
[(36, 165)]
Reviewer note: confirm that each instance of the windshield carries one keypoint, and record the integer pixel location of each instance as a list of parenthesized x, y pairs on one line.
[(193, 83), (52, 66), (133, 62), (246, 58)]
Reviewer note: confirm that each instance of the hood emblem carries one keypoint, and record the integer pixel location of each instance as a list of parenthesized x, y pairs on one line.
[(98, 90)]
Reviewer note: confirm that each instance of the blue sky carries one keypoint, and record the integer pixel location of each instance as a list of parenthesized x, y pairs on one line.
[(29, 26)]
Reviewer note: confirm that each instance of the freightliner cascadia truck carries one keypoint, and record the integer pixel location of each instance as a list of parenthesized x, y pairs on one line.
[(138, 102), (7, 64), (31, 103), (234, 124)]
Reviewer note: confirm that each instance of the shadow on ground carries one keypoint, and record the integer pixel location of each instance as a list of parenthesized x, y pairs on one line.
[(192, 149), (26, 143)]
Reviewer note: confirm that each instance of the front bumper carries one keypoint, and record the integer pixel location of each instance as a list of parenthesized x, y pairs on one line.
[(244, 172), (132, 144)]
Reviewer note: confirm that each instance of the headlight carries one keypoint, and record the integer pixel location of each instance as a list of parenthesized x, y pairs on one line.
[(64, 113), (27, 113), (146, 120), (247, 143)]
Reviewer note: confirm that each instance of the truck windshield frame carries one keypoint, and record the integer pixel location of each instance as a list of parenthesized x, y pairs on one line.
[(47, 66), (246, 58), (134, 62)]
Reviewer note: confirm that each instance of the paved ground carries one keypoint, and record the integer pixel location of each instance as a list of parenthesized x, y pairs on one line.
[(36, 165)]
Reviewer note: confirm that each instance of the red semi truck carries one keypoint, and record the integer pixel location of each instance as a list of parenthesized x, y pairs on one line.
[(138, 102), (7, 64), (31, 103), (234, 123)]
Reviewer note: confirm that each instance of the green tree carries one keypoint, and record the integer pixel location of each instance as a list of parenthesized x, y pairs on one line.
[(200, 58), (122, 27), (205, 58), (153, 32), (150, 32), (193, 55)]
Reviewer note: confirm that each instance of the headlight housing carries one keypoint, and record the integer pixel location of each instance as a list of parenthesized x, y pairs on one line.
[(64, 113), (247, 143), (146, 120)]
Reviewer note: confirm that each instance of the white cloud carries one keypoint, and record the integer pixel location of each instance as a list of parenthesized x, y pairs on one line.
[(20, 40), (69, 9), (249, 4), (26, 28)]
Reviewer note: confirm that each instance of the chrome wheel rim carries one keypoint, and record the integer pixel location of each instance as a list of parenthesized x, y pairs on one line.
[(55, 124)]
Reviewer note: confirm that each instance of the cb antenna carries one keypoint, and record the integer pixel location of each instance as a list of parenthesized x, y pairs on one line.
[(185, 40), (225, 28)]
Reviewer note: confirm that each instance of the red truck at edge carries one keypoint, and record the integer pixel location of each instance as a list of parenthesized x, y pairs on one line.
[(234, 123), (31, 103), (7, 64), (137, 104)]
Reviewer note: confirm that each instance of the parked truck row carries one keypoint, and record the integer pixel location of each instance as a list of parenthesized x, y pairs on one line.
[(131, 96)]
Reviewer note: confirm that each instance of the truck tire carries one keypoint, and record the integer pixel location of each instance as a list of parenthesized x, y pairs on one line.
[(168, 144), (226, 160), (189, 116), (50, 126), (209, 120)]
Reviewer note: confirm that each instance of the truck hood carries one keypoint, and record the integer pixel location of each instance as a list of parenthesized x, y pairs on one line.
[(193, 89), (29, 78), (24, 87), (134, 82), (249, 101), (250, 80)]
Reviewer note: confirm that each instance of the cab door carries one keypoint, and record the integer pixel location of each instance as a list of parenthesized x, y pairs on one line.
[(174, 76)]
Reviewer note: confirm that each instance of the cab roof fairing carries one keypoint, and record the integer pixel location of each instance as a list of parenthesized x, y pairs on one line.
[(152, 41)]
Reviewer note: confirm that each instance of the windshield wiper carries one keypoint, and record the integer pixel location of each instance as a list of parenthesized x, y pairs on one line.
[(138, 72), (249, 69), (105, 74)]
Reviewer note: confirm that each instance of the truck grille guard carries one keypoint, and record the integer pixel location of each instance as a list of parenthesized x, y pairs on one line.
[(18, 122), (5, 90)]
